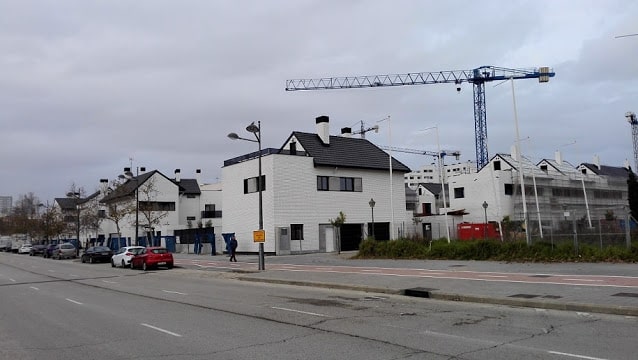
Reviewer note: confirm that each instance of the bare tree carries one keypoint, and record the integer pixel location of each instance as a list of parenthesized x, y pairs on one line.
[(151, 210)]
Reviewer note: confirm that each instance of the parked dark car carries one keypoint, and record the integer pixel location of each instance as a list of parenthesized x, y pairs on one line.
[(48, 252), (97, 254), (37, 250), (152, 257)]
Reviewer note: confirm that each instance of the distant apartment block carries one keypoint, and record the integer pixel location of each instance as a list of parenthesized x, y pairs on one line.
[(6, 203)]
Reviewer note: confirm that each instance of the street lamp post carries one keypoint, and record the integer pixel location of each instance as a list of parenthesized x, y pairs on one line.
[(256, 130), (485, 226), (372, 203), (129, 175)]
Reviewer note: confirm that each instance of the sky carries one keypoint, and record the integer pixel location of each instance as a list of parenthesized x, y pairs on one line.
[(90, 87)]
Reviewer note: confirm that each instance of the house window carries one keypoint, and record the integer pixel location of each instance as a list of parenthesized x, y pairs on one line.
[(190, 196), (420, 191), (427, 208), (190, 218), (251, 184), (101, 214), (296, 231), (335, 183), (544, 167), (497, 165), (156, 206), (509, 189), (322, 183), (459, 193)]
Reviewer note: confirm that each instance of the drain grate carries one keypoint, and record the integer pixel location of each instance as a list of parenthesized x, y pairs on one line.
[(551, 297), (627, 294), (524, 296), (418, 292)]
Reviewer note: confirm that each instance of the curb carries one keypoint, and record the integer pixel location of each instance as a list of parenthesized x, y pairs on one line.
[(546, 304)]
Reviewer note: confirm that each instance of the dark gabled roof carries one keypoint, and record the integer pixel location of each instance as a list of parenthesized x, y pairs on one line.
[(128, 188), (434, 188), (611, 171), (346, 152), (188, 186), (68, 203)]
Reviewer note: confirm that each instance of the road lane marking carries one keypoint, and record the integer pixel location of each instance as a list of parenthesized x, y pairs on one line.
[(12, 280), (73, 301), (51, 270), (74, 275), (299, 311), (493, 276), (575, 355), (593, 280), (109, 282), (33, 287), (160, 329), (174, 292)]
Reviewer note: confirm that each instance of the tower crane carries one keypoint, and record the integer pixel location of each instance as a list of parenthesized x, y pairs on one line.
[(478, 77), (631, 118), (443, 153)]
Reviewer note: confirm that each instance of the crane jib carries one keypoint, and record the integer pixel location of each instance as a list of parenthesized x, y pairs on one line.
[(478, 77)]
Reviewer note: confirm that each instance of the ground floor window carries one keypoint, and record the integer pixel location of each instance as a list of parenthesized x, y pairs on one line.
[(296, 231)]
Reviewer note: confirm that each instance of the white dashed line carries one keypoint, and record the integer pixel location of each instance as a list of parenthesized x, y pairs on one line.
[(33, 287), (299, 311), (575, 355), (174, 292), (162, 330), (109, 282), (12, 280), (73, 301)]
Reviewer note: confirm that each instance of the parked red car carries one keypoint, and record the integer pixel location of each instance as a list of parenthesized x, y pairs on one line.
[(152, 257)]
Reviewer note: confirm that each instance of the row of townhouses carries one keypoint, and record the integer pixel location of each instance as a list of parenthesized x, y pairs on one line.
[(313, 177)]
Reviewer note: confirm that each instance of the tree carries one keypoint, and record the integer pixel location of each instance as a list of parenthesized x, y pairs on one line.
[(116, 211), (337, 223), (632, 189), (152, 211)]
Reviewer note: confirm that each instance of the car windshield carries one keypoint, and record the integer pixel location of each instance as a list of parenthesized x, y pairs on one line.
[(136, 250), (102, 248), (159, 251)]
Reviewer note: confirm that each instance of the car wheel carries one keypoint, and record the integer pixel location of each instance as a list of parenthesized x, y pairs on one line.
[(131, 265), (91, 260), (112, 263), (123, 263), (144, 266), (82, 259), (169, 266)]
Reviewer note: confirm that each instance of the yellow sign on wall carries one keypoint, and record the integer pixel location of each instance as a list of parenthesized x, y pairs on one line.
[(259, 236)]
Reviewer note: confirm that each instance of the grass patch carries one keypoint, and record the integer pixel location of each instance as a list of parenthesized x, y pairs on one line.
[(516, 251)]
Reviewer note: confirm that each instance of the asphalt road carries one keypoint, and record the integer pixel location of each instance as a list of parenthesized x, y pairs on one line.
[(67, 310)]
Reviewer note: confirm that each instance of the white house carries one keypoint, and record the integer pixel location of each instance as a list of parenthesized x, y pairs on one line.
[(306, 183)]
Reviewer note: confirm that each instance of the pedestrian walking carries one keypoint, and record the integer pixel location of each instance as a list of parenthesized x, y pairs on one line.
[(233, 248)]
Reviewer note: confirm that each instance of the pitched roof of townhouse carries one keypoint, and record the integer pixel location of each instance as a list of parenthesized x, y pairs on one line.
[(434, 188), (128, 188), (70, 203), (346, 152), (611, 171), (188, 186)]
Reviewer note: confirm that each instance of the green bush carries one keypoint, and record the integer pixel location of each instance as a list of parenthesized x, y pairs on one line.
[(495, 250)]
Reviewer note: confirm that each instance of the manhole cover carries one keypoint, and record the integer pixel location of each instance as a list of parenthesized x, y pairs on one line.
[(524, 296)]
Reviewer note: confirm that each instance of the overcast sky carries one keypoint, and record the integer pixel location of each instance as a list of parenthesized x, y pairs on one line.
[(87, 85)]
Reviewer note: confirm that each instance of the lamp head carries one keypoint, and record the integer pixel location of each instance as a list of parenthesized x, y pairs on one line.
[(252, 128), (372, 202), (484, 204), (233, 136)]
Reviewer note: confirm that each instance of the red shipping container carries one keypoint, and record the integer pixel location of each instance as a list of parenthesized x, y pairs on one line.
[(477, 231)]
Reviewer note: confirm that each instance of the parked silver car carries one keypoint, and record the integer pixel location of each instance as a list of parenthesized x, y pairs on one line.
[(62, 251)]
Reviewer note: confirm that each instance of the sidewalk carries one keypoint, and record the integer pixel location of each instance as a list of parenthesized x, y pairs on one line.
[(585, 287)]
